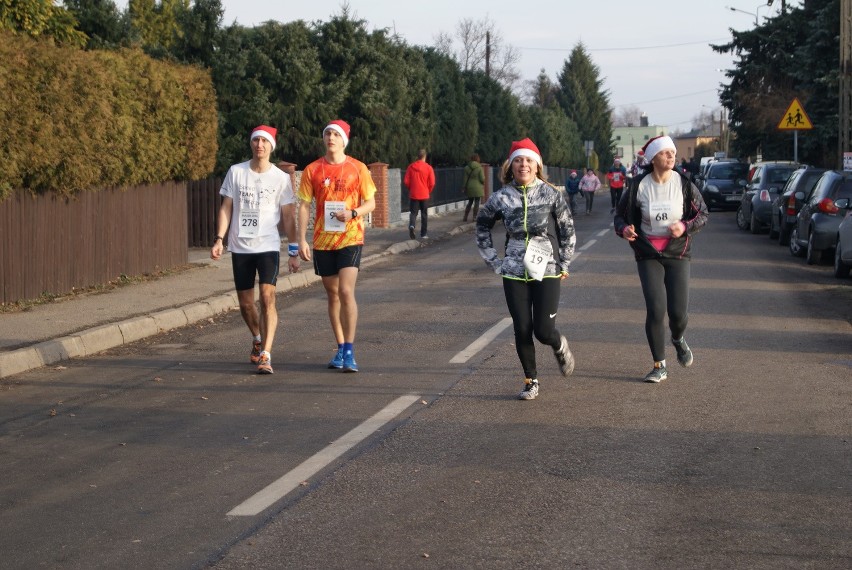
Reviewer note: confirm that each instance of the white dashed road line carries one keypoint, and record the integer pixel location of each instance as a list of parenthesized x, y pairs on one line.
[(278, 489), (481, 342)]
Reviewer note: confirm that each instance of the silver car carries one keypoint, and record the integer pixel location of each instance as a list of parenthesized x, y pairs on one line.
[(816, 225), (843, 250)]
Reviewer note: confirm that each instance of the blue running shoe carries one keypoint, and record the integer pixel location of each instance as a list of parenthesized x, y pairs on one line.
[(349, 364), (337, 361)]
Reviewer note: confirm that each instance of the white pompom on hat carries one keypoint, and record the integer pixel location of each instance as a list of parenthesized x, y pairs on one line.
[(266, 132), (656, 144), (526, 148), (342, 128)]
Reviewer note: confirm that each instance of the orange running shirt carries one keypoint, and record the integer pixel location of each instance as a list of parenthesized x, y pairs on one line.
[(349, 182)]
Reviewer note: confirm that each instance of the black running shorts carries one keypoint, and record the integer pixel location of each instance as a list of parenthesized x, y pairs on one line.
[(329, 262), (247, 265)]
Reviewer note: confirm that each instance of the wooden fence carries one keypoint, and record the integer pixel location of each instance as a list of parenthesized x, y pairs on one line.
[(202, 206), (49, 245)]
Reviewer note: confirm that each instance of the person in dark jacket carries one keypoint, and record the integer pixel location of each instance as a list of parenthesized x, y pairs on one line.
[(539, 242), (474, 186), (572, 188), (659, 215)]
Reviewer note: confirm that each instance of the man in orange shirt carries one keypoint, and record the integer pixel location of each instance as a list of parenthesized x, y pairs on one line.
[(344, 193), (420, 180)]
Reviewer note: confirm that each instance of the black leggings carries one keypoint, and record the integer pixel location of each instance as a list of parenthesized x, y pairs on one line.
[(665, 285), (615, 195), (533, 306)]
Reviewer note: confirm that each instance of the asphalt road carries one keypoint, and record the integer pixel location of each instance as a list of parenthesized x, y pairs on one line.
[(150, 456)]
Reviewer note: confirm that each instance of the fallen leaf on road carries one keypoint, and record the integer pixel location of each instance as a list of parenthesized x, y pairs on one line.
[(204, 398), (52, 413), (60, 368)]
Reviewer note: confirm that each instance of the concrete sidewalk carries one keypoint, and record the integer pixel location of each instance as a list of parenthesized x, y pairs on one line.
[(89, 323)]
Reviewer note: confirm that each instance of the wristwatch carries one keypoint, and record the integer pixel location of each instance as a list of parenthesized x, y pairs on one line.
[(354, 214)]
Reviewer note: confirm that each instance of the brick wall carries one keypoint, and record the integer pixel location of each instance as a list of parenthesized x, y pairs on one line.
[(381, 215)]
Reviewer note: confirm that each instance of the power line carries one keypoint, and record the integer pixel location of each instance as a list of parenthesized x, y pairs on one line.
[(667, 98), (704, 42)]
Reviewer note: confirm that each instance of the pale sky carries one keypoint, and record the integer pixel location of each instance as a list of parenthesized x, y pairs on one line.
[(650, 54)]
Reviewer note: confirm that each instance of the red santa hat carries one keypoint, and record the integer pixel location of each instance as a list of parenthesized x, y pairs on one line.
[(656, 144), (342, 128), (525, 148), (266, 132)]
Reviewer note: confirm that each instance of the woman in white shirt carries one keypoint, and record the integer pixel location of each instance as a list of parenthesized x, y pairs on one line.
[(659, 216)]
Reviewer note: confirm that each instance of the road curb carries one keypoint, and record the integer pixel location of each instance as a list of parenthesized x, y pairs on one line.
[(103, 337)]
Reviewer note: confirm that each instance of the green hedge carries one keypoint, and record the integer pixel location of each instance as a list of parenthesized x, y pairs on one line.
[(75, 120)]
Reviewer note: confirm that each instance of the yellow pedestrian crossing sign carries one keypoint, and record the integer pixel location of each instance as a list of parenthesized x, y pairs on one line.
[(795, 118)]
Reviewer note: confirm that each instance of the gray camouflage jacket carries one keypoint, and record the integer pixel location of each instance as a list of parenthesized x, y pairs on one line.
[(537, 210)]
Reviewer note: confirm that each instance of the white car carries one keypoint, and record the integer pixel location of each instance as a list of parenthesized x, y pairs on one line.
[(843, 251)]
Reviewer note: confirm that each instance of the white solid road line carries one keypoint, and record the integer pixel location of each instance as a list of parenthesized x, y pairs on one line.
[(278, 489), (481, 342)]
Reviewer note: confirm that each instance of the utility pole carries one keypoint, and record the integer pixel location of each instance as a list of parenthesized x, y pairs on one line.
[(844, 137), (488, 54)]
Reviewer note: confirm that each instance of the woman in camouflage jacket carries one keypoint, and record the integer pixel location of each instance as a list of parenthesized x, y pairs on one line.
[(539, 244)]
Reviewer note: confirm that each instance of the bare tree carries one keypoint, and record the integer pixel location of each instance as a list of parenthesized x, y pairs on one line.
[(479, 40), (705, 119), (627, 116)]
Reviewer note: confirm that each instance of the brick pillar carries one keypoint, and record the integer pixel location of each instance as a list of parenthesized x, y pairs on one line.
[(381, 215)]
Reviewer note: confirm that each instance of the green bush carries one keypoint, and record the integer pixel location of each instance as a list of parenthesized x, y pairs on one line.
[(76, 120)]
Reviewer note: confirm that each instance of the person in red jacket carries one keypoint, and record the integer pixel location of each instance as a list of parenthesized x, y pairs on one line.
[(420, 180), (616, 176)]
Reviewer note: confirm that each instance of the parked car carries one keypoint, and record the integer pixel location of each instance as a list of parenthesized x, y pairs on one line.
[(787, 205), (764, 186), (843, 250), (818, 220), (722, 183)]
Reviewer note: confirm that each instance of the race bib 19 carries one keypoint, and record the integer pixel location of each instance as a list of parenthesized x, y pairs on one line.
[(539, 253)]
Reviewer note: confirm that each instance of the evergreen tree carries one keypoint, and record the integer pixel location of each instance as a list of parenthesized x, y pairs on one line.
[(41, 19), (157, 24), (199, 30), (101, 20), (452, 110), (795, 54), (554, 133), (497, 113), (585, 102), (379, 86), (270, 74)]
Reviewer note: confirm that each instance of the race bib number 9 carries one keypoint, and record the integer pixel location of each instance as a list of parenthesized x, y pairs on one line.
[(332, 224), (249, 222), (539, 253)]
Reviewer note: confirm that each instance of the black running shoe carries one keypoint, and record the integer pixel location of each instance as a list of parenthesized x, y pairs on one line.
[(684, 354), (564, 358)]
